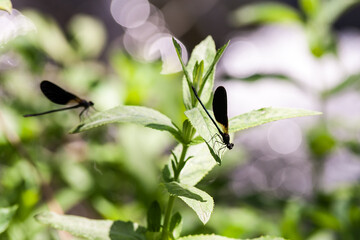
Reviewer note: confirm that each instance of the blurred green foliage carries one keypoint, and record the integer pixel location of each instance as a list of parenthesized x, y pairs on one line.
[(327, 215), (320, 141), (104, 173), (315, 16)]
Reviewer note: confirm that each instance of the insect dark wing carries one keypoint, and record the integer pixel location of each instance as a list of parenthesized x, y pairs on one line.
[(56, 94), (220, 107)]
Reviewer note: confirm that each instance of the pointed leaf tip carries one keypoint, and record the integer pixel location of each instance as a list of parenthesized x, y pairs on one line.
[(201, 202), (266, 115)]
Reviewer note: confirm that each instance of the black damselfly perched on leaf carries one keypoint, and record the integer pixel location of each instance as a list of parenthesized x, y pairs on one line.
[(58, 95), (220, 113)]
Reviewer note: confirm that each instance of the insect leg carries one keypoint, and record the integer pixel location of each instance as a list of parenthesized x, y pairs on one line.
[(216, 141), (81, 113), (221, 149)]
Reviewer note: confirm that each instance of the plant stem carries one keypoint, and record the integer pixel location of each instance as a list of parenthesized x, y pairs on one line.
[(181, 163), (170, 204), (167, 217)]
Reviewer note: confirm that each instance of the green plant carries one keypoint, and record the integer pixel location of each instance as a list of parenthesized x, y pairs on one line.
[(316, 17), (189, 162), (6, 5)]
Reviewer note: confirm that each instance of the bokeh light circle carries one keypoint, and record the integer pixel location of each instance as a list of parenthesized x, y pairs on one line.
[(130, 14), (284, 137)]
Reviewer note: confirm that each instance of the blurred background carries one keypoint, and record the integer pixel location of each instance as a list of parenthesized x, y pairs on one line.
[(296, 178)]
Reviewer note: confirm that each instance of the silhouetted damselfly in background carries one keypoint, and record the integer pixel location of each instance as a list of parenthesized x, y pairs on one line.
[(220, 113), (58, 95)]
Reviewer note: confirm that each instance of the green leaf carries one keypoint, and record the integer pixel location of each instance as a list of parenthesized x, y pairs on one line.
[(195, 169), (266, 115), (204, 51), (6, 5), (293, 213), (320, 38), (351, 82), (268, 12), (332, 10), (6, 214), (206, 237), (213, 154), (129, 114), (198, 73), (181, 190), (154, 217), (167, 173), (321, 141), (268, 238), (201, 202), (185, 69), (215, 237), (211, 69), (206, 129), (188, 131), (176, 225), (325, 219), (310, 7), (319, 26), (260, 76), (93, 229)]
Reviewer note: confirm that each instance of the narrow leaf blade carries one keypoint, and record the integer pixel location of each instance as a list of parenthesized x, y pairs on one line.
[(218, 54), (176, 225), (129, 114), (351, 82), (93, 229), (266, 115), (154, 217), (213, 154), (265, 13), (179, 54)]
